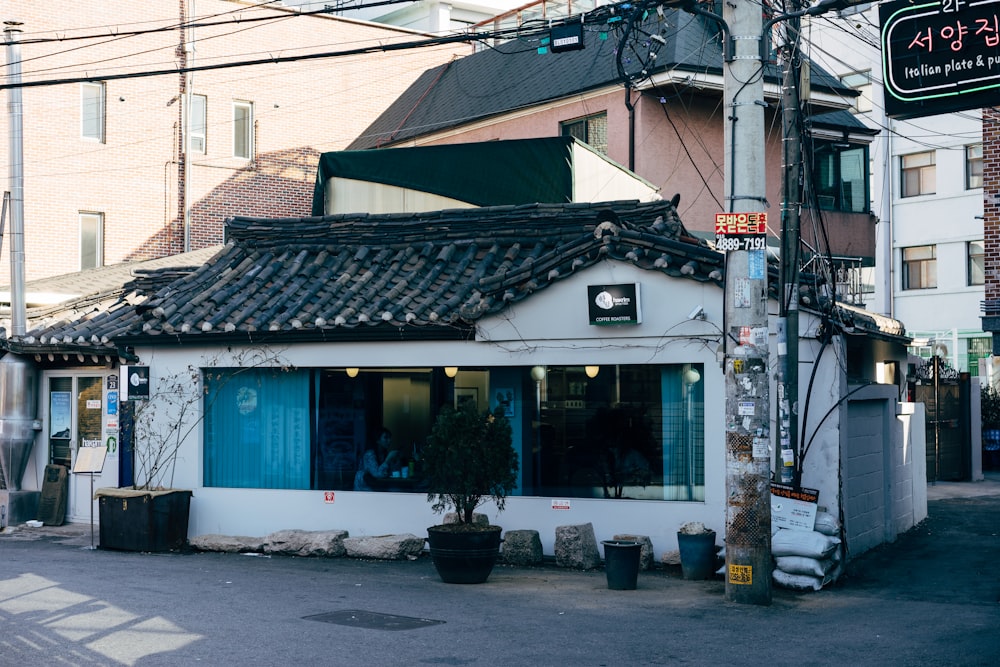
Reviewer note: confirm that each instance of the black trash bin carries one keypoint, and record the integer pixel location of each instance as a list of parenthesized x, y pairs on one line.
[(621, 564)]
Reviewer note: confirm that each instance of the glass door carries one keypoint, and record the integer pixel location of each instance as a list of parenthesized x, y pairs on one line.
[(82, 433)]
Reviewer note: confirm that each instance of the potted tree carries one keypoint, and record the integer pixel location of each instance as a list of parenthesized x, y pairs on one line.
[(469, 459), (152, 515)]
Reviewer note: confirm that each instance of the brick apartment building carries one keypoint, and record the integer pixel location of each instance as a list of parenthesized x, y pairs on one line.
[(104, 165), (991, 224)]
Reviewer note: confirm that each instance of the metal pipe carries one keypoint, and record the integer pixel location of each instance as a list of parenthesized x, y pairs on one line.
[(15, 160)]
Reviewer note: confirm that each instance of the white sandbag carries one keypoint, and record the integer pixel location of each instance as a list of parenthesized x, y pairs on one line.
[(827, 524), (802, 565), (797, 582), (808, 543)]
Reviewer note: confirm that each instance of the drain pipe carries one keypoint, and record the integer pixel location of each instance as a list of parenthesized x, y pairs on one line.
[(18, 376), (631, 128)]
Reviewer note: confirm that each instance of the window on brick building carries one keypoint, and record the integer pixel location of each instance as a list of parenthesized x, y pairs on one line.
[(199, 123), (975, 253), (243, 129), (91, 240), (974, 166), (918, 173), (92, 111), (591, 129), (920, 267)]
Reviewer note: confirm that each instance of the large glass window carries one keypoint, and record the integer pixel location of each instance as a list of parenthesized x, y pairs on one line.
[(92, 111), (841, 177), (257, 429), (591, 129), (918, 174), (920, 267), (599, 432)]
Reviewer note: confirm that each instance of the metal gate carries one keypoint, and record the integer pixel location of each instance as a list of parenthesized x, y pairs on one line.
[(945, 395)]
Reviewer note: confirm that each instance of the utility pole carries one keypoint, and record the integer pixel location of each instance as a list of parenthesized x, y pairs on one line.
[(748, 451), (788, 293)]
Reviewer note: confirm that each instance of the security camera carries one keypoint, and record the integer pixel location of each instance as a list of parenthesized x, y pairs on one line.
[(697, 314)]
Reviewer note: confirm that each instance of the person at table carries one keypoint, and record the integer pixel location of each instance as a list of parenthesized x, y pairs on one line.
[(377, 460)]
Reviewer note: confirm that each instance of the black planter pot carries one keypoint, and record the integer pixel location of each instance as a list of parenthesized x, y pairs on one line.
[(697, 554), (464, 557), (135, 520)]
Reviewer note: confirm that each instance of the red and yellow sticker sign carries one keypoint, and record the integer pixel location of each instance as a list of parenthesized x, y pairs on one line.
[(738, 224)]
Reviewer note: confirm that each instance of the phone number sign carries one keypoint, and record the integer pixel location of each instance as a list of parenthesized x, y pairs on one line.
[(940, 55), (741, 231)]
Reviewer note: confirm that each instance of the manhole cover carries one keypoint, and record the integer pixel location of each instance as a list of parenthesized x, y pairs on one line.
[(373, 620)]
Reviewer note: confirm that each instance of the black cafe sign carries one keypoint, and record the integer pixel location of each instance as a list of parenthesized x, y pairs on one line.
[(611, 305), (940, 56)]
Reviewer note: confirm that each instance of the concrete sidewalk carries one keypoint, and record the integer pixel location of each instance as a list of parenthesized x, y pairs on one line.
[(988, 486)]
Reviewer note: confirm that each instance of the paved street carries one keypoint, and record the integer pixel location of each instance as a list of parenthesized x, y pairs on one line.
[(930, 598)]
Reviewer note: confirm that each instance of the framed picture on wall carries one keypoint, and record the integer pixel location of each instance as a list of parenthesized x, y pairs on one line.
[(503, 402), (465, 394)]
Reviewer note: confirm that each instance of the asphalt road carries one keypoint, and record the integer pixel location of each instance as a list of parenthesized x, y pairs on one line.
[(933, 597)]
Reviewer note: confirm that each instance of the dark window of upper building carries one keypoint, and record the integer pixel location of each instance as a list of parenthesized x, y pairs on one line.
[(840, 177), (592, 130)]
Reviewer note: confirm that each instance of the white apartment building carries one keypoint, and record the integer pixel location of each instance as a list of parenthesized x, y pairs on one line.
[(927, 197)]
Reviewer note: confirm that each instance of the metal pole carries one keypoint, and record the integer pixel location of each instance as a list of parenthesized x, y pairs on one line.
[(748, 456), (15, 160), (788, 314), (937, 416)]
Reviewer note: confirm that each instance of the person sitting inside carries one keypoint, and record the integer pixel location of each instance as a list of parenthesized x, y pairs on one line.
[(377, 461)]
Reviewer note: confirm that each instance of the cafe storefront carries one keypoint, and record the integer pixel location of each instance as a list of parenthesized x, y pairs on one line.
[(597, 329)]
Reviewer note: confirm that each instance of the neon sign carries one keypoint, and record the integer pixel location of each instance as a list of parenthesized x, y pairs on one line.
[(940, 56)]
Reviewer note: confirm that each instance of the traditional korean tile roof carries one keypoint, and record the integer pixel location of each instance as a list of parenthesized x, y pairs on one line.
[(379, 277), (350, 275), (74, 316)]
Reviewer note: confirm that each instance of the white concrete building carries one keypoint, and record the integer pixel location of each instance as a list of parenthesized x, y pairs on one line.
[(926, 195)]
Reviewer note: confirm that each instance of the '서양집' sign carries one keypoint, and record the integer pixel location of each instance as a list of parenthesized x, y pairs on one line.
[(940, 56)]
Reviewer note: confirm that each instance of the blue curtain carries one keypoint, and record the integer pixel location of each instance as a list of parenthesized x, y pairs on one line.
[(257, 428), (683, 434)]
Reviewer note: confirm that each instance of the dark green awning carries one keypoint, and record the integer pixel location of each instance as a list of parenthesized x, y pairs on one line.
[(490, 173)]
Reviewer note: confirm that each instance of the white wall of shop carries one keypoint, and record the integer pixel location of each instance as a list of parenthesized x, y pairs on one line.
[(549, 328)]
